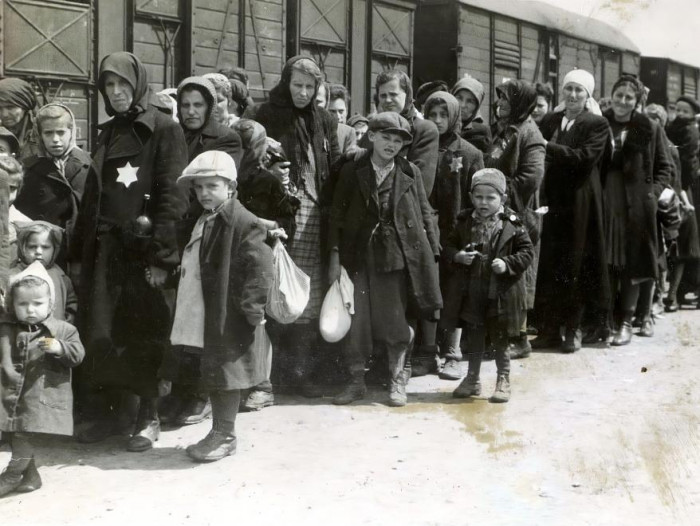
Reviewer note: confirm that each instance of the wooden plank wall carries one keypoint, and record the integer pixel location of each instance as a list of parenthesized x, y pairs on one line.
[(690, 85), (475, 59), (531, 54), (578, 54), (630, 63), (673, 82)]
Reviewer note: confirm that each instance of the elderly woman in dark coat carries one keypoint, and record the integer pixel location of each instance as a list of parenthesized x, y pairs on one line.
[(470, 93), (17, 104), (308, 137), (573, 272), (518, 150), (635, 179), (125, 239)]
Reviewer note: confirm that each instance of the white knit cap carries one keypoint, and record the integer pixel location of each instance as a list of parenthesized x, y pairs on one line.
[(582, 78)]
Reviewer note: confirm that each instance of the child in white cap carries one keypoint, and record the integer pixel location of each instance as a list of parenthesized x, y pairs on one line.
[(225, 275)]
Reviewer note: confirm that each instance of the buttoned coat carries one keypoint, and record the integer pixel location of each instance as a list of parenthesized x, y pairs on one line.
[(236, 269), (355, 214), (42, 401)]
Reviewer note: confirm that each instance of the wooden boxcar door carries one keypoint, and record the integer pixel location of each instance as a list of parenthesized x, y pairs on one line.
[(391, 37), (50, 44), (157, 38)]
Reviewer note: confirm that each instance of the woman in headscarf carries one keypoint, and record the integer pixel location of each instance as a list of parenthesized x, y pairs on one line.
[(458, 161), (17, 104), (637, 177), (470, 94), (518, 151), (308, 136), (125, 239), (573, 272), (198, 113)]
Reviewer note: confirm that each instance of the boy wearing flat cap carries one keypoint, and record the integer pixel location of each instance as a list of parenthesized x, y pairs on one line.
[(487, 253), (225, 276), (383, 232)]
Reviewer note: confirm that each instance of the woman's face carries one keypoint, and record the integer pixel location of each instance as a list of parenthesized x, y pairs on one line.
[(503, 107), (624, 100), (467, 104), (684, 110), (439, 115), (541, 109), (302, 87), (575, 97), (11, 115), (119, 92), (321, 96), (391, 96), (193, 109)]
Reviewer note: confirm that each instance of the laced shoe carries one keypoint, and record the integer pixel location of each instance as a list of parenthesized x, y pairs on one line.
[(215, 446), (502, 393), (470, 386)]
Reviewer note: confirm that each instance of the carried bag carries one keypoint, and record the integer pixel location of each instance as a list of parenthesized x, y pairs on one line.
[(290, 290), (337, 309)]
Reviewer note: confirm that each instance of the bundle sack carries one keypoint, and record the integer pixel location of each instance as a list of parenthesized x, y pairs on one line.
[(337, 309), (290, 289)]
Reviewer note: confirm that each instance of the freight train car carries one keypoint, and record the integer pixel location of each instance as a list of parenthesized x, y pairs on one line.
[(667, 80), (496, 40)]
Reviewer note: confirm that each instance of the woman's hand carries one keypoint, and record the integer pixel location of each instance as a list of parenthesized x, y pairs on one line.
[(465, 258), (499, 266), (666, 196), (276, 233), (156, 276), (281, 171), (334, 267)]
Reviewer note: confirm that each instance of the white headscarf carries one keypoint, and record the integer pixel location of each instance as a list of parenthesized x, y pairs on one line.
[(587, 81)]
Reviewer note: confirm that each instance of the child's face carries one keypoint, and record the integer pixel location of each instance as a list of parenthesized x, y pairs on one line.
[(386, 145), (5, 147), (221, 106), (56, 135), (14, 188), (211, 191), (486, 200), (360, 130), (467, 103), (684, 110), (39, 247), (32, 304), (439, 115)]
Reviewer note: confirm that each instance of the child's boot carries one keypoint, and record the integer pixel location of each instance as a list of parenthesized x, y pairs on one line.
[(355, 390), (502, 392), (397, 389), (11, 477), (470, 386), (31, 480)]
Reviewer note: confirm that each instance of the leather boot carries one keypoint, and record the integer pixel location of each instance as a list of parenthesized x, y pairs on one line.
[(31, 480), (470, 386), (215, 446), (520, 348), (194, 410), (502, 393), (624, 335), (647, 329), (11, 477), (355, 390), (572, 341), (397, 390)]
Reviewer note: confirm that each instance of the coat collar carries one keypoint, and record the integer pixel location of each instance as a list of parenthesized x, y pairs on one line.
[(639, 129)]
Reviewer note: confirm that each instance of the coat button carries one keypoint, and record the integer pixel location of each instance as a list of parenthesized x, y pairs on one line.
[(416, 246), (409, 224)]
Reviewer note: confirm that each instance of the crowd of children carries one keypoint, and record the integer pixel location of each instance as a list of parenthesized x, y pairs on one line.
[(166, 233)]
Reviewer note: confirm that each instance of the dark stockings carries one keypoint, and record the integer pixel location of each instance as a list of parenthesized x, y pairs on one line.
[(224, 408)]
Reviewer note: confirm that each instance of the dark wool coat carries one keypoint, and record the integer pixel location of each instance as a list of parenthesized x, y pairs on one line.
[(478, 134), (355, 214), (43, 400), (685, 135), (573, 265), (5, 253), (215, 136), (451, 190), (48, 196), (237, 273), (513, 247), (647, 170)]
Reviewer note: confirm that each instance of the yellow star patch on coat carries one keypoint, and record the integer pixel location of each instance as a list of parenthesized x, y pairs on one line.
[(127, 174)]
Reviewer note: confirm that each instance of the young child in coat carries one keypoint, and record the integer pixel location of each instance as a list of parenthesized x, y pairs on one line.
[(55, 178), (225, 276), (38, 352), (42, 241), (488, 252), (14, 172), (457, 163), (383, 232)]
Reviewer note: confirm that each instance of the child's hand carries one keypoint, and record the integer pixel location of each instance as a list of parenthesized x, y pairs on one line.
[(277, 233), (156, 276), (281, 171), (498, 266), (51, 346), (164, 387), (466, 258)]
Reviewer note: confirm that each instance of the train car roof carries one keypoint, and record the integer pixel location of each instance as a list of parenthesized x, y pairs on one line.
[(561, 20)]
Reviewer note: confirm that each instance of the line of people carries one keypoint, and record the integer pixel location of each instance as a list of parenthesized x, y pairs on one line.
[(459, 239)]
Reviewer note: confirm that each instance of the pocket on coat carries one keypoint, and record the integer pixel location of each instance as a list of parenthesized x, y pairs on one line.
[(56, 391)]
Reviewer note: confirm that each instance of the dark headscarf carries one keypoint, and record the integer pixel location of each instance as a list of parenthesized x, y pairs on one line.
[(453, 114), (18, 93), (130, 68), (633, 82), (307, 123), (208, 91), (522, 98), (427, 89)]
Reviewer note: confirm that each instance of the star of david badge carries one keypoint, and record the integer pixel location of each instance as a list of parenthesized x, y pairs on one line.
[(456, 164), (127, 174)]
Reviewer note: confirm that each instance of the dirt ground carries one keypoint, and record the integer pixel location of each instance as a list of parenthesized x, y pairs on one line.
[(602, 437)]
